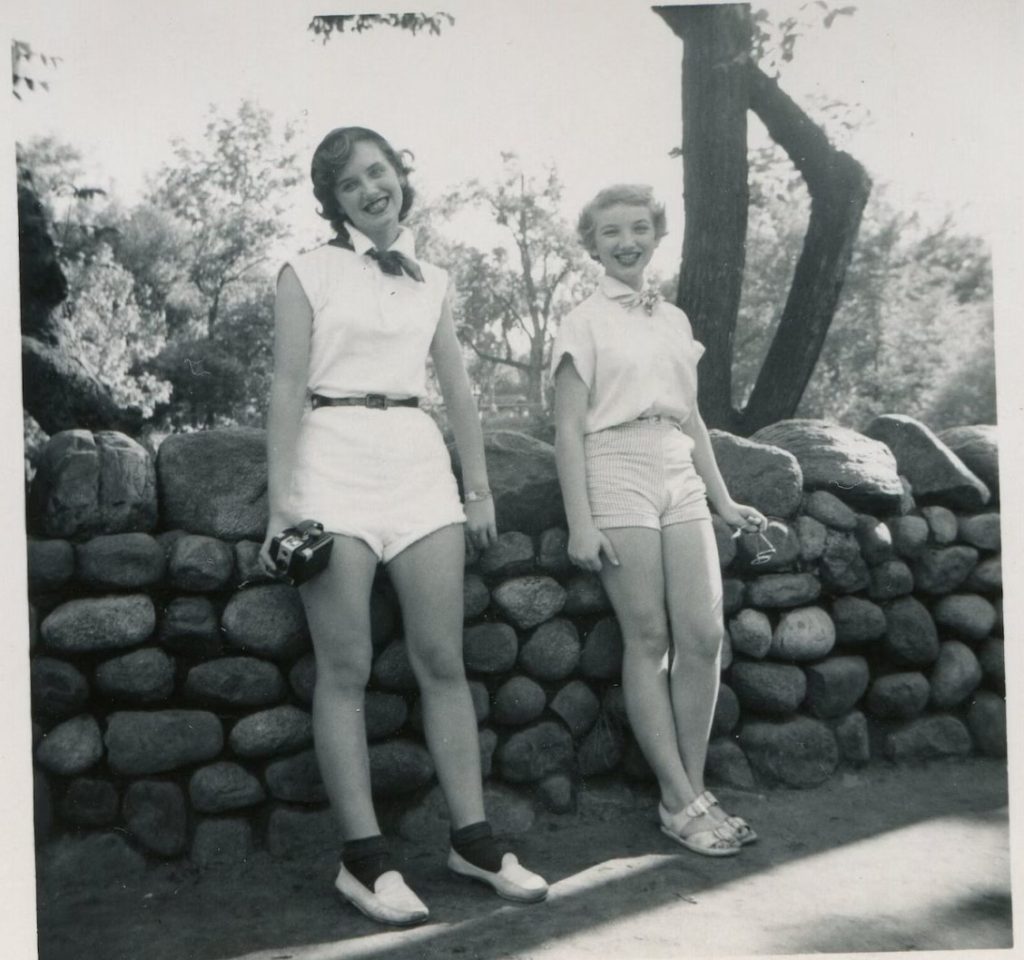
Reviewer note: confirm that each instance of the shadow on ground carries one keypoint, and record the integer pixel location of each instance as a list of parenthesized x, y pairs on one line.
[(882, 859)]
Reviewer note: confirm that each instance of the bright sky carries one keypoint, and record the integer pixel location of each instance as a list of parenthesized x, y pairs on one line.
[(593, 85)]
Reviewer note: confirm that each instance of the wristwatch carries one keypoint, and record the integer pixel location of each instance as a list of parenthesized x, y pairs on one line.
[(475, 496)]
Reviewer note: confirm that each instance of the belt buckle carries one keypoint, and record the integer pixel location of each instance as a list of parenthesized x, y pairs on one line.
[(376, 401)]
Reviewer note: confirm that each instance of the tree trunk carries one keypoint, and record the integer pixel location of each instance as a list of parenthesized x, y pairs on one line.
[(717, 48), (839, 189)]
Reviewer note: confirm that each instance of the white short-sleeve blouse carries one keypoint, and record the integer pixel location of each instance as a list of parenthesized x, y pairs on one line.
[(634, 363), (371, 331)]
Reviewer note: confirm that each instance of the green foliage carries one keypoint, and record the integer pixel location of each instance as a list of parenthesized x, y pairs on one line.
[(227, 193), (21, 55), (774, 38), (105, 328), (510, 298), (325, 26)]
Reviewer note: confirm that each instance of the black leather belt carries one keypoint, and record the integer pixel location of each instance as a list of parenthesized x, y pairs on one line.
[(375, 401)]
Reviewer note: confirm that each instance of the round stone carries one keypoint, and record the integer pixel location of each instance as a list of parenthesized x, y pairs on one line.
[(874, 538), (529, 601), (475, 596), (584, 594), (552, 652), (727, 712), (233, 682), (534, 753), (986, 719), (144, 742), (601, 658), (490, 648), (777, 689), (59, 689), (385, 714), (266, 621), (852, 738), (398, 767), (803, 634), (929, 738), (296, 779), (552, 554), (898, 696), (142, 676), (811, 534), (955, 676), (857, 621), (751, 633), (190, 626), (224, 786), (518, 701), (987, 576), (835, 685), (909, 535), (981, 530), (577, 706), (99, 623), (302, 677), (51, 564), (602, 748), (220, 842), (799, 752), (965, 615), (272, 732), (943, 569), (911, 637), (392, 670), (120, 560), (155, 814), (71, 747), (727, 765), (890, 579), (941, 524), (557, 793), (841, 567), (199, 563), (828, 509), (783, 590), (512, 553)]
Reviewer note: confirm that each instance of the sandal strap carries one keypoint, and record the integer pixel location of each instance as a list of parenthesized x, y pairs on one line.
[(696, 807), (710, 799)]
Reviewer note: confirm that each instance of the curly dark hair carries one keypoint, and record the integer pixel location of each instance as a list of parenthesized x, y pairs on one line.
[(329, 160)]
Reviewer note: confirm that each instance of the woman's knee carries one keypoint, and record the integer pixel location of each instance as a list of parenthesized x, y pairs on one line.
[(647, 638), (437, 662), (344, 669), (702, 640)]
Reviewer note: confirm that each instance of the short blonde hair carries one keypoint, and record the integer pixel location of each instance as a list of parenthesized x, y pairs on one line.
[(634, 195)]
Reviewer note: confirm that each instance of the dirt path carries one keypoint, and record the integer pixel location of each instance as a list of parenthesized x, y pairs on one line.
[(878, 860)]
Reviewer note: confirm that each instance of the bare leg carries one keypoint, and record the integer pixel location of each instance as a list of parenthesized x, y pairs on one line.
[(428, 579), (694, 597), (337, 606), (636, 589)]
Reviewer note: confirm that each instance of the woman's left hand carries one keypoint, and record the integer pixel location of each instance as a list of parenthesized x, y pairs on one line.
[(744, 518), (480, 526)]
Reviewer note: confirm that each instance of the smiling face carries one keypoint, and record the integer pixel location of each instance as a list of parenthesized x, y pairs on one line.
[(369, 192), (624, 241)]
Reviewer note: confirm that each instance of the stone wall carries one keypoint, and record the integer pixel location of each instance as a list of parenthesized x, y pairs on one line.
[(171, 682)]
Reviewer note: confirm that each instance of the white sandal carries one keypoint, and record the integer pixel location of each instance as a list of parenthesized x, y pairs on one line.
[(718, 841), (390, 900), (742, 830)]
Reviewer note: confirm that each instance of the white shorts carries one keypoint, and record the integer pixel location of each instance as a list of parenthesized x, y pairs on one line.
[(641, 474), (382, 476)]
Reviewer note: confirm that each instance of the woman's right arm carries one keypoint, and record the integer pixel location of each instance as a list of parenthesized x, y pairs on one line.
[(586, 542), (293, 325)]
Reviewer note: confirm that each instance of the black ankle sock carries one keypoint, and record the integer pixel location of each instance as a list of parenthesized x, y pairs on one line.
[(367, 859), (475, 843)]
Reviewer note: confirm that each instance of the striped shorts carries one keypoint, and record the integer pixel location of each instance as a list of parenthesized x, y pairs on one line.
[(641, 474)]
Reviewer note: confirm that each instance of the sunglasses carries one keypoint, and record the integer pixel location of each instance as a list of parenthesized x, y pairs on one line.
[(765, 548)]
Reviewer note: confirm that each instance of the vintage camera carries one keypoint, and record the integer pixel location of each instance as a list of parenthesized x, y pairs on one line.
[(301, 552)]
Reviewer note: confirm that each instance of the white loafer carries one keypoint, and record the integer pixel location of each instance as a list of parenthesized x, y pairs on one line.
[(512, 881), (390, 901)]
